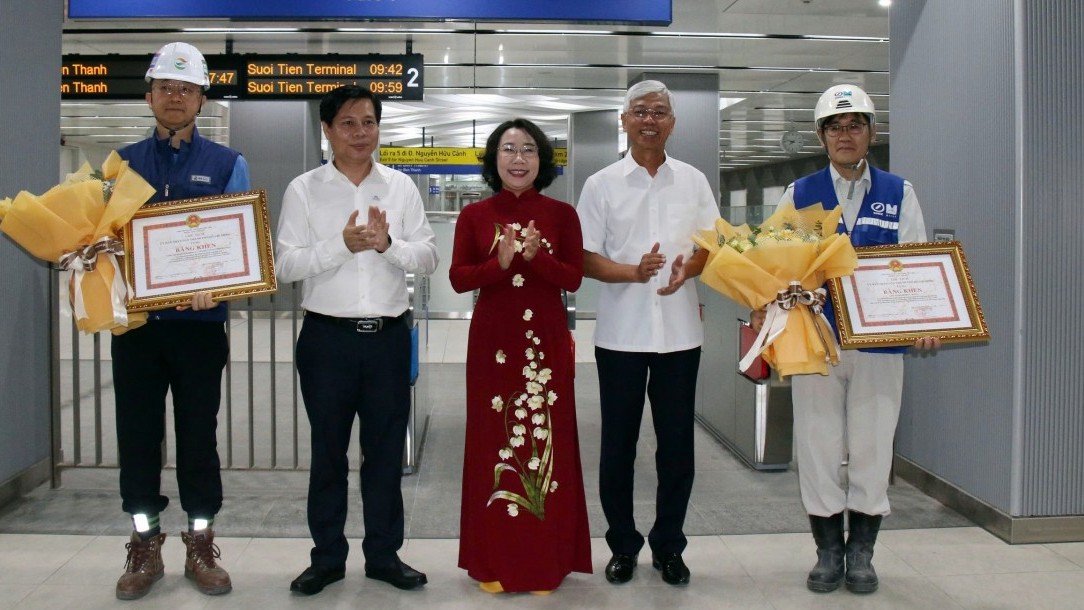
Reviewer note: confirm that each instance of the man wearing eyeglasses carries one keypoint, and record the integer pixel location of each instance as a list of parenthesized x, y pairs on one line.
[(350, 231), (851, 413), (181, 351), (637, 217)]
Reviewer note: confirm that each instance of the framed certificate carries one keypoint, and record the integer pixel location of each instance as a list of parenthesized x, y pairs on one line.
[(219, 244), (901, 292)]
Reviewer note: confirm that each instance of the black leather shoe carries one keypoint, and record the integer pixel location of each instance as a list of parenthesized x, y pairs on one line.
[(672, 567), (620, 568), (314, 579), (400, 576)]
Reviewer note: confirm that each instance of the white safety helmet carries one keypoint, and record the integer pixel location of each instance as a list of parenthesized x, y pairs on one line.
[(179, 61), (842, 99)]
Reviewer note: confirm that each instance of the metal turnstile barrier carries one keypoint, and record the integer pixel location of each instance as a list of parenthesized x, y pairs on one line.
[(753, 419)]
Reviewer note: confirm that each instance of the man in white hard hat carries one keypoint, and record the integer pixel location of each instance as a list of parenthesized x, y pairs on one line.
[(182, 350), (851, 413)]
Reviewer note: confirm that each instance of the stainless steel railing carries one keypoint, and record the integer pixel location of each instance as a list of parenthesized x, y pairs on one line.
[(262, 424)]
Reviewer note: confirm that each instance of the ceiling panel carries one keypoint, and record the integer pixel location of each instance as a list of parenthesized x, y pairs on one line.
[(773, 57)]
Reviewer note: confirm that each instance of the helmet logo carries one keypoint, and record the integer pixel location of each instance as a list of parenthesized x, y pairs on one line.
[(181, 64), (841, 99)]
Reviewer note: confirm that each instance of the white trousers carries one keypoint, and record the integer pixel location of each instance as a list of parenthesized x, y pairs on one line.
[(850, 414)]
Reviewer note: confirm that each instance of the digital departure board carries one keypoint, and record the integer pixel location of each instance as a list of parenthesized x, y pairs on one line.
[(251, 77), (287, 76)]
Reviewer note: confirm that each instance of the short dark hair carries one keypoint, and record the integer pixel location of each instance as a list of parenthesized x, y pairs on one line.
[(333, 101), (547, 170)]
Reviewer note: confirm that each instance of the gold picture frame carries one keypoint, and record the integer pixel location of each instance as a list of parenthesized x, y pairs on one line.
[(220, 244), (899, 293)]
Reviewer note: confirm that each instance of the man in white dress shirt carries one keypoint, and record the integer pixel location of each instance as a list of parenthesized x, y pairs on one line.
[(638, 215), (351, 230)]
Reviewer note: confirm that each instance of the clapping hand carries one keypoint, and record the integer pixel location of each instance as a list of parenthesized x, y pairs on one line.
[(506, 247), (377, 229), (370, 236), (677, 276), (650, 263), (531, 242)]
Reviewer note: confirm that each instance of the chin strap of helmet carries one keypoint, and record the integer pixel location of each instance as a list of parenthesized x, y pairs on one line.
[(855, 174), (177, 145), (173, 132), (174, 141)]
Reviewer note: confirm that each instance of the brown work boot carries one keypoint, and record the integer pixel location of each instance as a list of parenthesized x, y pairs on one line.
[(200, 563), (143, 568)]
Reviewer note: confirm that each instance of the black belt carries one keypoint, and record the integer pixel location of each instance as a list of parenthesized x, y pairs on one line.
[(374, 324)]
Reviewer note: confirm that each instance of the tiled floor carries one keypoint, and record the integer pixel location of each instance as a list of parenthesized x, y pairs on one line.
[(927, 568), (748, 549)]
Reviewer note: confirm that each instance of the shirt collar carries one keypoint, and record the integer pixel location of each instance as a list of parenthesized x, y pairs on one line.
[(838, 179), (378, 174), (164, 142), (505, 194), (629, 165)]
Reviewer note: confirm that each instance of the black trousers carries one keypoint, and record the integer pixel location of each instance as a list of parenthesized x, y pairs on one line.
[(185, 358), (345, 375), (670, 383)]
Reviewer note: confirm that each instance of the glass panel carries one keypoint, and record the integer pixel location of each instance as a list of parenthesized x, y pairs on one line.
[(443, 301), (752, 215), (450, 192)]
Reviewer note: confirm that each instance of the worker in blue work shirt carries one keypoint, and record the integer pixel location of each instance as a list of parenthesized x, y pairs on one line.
[(182, 350), (850, 414)]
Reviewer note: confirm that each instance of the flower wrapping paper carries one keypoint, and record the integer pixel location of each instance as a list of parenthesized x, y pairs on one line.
[(755, 267), (76, 224)]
